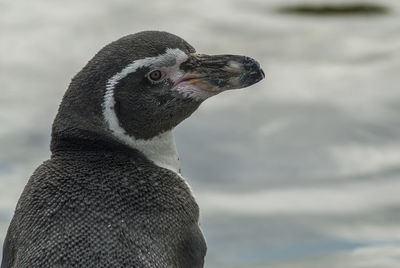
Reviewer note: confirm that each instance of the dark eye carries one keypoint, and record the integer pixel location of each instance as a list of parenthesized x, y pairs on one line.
[(155, 75)]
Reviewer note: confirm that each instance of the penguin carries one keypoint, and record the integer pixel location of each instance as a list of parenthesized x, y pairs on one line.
[(111, 194)]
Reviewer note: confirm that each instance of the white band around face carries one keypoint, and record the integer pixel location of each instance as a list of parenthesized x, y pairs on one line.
[(160, 149)]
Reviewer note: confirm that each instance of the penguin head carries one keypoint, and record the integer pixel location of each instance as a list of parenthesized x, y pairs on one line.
[(146, 83)]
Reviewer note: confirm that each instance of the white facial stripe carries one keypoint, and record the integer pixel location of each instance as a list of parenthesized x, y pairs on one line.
[(152, 62), (160, 149)]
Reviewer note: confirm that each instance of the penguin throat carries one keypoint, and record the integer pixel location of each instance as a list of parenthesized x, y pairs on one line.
[(161, 149)]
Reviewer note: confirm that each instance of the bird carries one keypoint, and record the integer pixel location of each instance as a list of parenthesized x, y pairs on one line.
[(112, 194)]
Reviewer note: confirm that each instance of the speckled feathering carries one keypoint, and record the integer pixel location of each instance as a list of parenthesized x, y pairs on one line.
[(111, 194)]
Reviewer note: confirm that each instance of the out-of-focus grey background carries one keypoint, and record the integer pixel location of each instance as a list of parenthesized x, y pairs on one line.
[(300, 170)]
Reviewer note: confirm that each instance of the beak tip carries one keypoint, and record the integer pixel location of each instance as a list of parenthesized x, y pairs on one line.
[(262, 73)]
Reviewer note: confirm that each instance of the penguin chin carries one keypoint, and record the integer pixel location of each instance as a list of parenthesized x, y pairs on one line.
[(190, 91)]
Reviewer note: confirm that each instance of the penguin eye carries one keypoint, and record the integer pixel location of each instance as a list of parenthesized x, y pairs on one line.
[(155, 76)]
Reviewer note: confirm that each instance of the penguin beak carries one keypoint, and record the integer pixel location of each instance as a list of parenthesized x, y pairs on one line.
[(218, 73)]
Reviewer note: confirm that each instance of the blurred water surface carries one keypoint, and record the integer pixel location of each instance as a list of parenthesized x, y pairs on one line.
[(301, 170)]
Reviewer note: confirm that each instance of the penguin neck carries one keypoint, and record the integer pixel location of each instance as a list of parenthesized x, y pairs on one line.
[(160, 149)]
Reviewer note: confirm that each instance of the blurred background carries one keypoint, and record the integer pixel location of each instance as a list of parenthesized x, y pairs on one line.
[(300, 170)]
